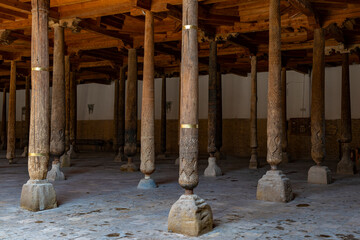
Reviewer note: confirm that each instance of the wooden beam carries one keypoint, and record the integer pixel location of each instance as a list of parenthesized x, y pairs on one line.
[(25, 7), (305, 7), (333, 31), (143, 4)]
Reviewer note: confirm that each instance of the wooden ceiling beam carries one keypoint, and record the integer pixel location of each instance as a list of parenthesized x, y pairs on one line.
[(305, 7), (25, 7)]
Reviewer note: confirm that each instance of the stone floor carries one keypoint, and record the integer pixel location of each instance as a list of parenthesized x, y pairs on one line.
[(97, 201)]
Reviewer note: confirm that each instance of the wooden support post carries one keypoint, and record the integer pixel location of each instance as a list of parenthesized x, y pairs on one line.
[(73, 114), (219, 122), (346, 165), (27, 115), (274, 186), (131, 112), (11, 138), (57, 138), (284, 145), (179, 216), (212, 170), (254, 162), (3, 122), (318, 174), (116, 115), (38, 194), (121, 116), (163, 115), (67, 102), (147, 166)]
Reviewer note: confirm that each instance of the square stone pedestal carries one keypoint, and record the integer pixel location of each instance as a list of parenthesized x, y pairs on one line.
[(319, 175), (190, 215), (38, 195), (212, 169), (274, 186)]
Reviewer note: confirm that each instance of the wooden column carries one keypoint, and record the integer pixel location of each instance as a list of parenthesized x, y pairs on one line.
[(274, 186), (11, 138), (73, 116), (163, 115), (147, 166), (254, 162), (284, 144), (27, 112), (67, 102), (116, 115), (346, 165), (131, 111), (3, 122), (219, 122), (318, 174), (121, 116)]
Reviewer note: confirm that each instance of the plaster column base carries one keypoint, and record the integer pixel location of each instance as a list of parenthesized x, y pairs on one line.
[(38, 195), (285, 157), (72, 152), (65, 160), (319, 175), (10, 157), (120, 157), (345, 166), (55, 174), (129, 166), (147, 183), (254, 164), (274, 186), (25, 153), (190, 215), (177, 161), (212, 169)]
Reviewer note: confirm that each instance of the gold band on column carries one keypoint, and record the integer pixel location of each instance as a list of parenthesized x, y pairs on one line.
[(40, 69), (189, 125), (188, 27), (38, 155)]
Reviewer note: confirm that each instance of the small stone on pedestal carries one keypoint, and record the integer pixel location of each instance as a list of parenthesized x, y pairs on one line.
[(25, 153), (55, 174), (65, 160), (38, 195), (147, 183), (129, 166), (212, 169), (319, 175), (274, 186), (190, 215)]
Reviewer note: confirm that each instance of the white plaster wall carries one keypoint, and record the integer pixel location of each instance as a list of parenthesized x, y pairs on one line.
[(236, 96)]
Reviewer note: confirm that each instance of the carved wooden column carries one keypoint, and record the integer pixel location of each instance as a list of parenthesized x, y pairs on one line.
[(3, 122), (177, 160), (121, 116), (284, 145), (318, 173), (180, 216), (219, 122), (163, 116), (116, 115), (57, 133), (212, 170), (274, 186), (11, 138), (27, 116), (147, 156), (254, 162), (131, 112), (346, 165), (38, 194), (73, 115), (65, 160)]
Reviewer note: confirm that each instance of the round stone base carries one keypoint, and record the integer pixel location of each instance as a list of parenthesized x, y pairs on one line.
[(274, 186), (190, 215), (147, 184), (319, 175), (55, 174), (129, 167), (212, 169), (65, 160), (38, 195), (346, 166)]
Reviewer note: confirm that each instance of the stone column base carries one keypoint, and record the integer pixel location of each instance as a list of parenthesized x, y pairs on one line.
[(212, 169), (190, 215), (345, 166), (38, 195), (55, 174), (65, 160), (147, 183), (129, 166), (274, 186), (120, 157), (25, 153), (177, 161), (254, 164), (319, 175), (72, 152)]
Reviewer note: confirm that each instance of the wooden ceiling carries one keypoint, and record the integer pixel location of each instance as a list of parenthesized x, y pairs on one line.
[(99, 32)]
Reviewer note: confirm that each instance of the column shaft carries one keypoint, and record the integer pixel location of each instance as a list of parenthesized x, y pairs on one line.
[(163, 115), (116, 114), (11, 138), (212, 110), (121, 110), (67, 102), (253, 115), (27, 110), (3, 122), (73, 117), (345, 131), (284, 115), (219, 122)]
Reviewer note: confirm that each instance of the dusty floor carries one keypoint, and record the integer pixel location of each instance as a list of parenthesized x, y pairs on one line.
[(97, 201)]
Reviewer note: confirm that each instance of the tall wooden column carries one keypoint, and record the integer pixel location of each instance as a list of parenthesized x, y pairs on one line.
[(67, 102), (73, 114), (57, 137), (254, 162), (318, 174), (163, 116), (11, 138), (179, 216), (38, 194), (219, 122), (345, 166), (27, 116), (131, 112), (147, 156), (116, 114), (121, 116), (212, 170), (284, 145), (3, 122), (274, 186)]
